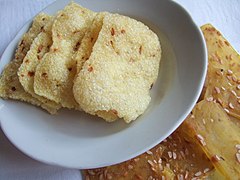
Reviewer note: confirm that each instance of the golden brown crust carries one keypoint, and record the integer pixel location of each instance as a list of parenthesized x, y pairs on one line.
[(177, 156)]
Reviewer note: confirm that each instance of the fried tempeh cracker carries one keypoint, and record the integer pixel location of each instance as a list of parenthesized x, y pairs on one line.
[(177, 157), (223, 78), (10, 87), (218, 136)]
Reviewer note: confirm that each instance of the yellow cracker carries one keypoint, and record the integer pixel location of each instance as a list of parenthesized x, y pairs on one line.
[(10, 86), (115, 81), (223, 79), (55, 73), (26, 72)]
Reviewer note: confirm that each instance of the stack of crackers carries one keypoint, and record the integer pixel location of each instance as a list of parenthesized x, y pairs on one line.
[(207, 144), (102, 63), (105, 64)]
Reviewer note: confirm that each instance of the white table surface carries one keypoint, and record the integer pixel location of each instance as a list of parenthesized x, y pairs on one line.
[(224, 15)]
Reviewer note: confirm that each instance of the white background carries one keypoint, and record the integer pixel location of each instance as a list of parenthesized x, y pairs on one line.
[(224, 15)]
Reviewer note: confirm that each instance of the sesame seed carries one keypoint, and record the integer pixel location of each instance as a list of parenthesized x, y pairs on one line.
[(212, 120), (200, 137), (231, 105), (91, 172), (149, 152), (225, 109), (233, 92), (215, 158), (210, 99), (199, 173), (234, 79), (160, 167), (206, 170), (160, 161), (229, 84), (186, 175), (229, 71), (238, 157), (217, 90), (168, 165), (219, 101), (223, 88), (169, 154), (237, 146), (150, 177), (182, 154), (238, 87), (163, 177), (150, 162), (201, 140), (192, 116), (136, 159), (130, 166), (218, 73), (203, 120), (174, 155), (155, 161), (229, 78), (153, 169)]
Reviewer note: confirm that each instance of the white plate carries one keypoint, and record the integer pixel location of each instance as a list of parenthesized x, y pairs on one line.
[(77, 140)]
